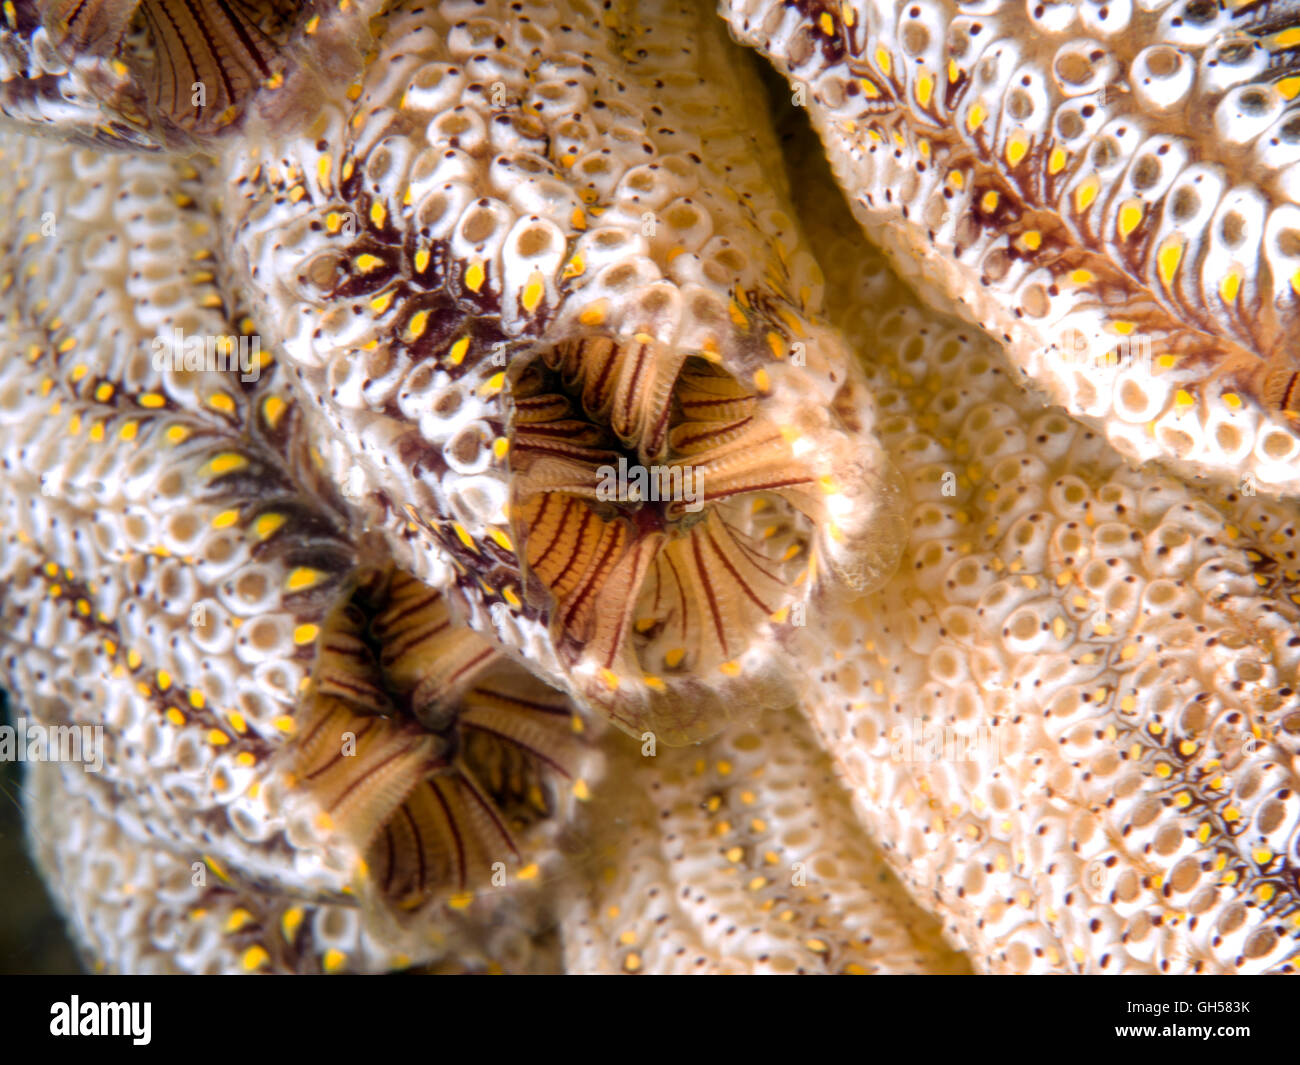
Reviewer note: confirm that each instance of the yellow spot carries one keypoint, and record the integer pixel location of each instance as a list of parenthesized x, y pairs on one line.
[(1288, 38), (177, 434), (378, 214), (501, 537), (1232, 400), (164, 680), (869, 87), (457, 353), (594, 313), (225, 519), (1017, 147), (273, 408), (1056, 161), (924, 90), (305, 634), (1168, 257), (380, 303), (463, 535), (975, 117), (217, 738), (228, 462), (989, 202), (284, 723), (827, 24), (254, 958), (957, 179), (1031, 239), (416, 326), (574, 268), (730, 669), (529, 872), (581, 791), (1183, 400), (1130, 217), (303, 577), (610, 678), (673, 658), (533, 292), (368, 263), (1229, 286), (152, 400), (475, 276), (762, 381), (333, 960), (1086, 192), (266, 525), (1080, 277)]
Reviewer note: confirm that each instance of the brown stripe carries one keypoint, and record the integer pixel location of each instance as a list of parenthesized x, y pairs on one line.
[(744, 585), (708, 591)]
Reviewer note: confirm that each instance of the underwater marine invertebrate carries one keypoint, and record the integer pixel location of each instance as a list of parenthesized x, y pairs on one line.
[(496, 256), (540, 284), (1097, 185)]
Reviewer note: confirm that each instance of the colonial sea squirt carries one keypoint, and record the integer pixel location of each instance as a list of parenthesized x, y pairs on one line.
[(294, 642), (494, 258)]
